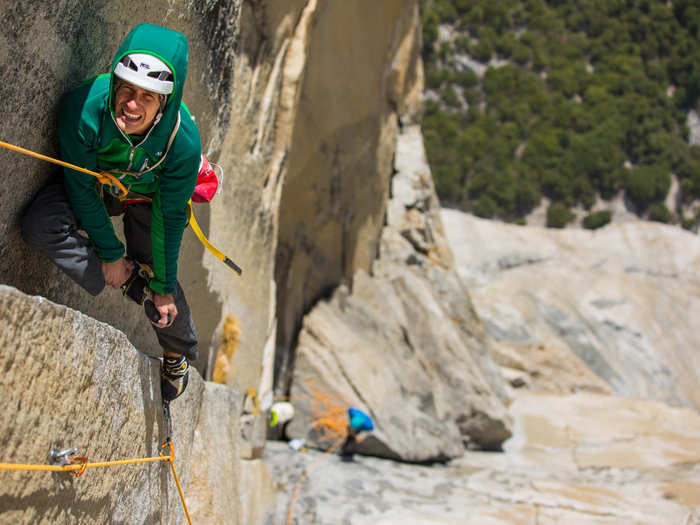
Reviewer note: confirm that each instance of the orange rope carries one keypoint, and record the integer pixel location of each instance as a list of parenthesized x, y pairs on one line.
[(80, 464), (170, 460), (329, 416), (329, 421), (103, 177), (307, 473)]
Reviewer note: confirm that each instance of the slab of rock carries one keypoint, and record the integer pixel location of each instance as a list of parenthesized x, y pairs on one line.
[(215, 463), (622, 302), (391, 349), (404, 344), (584, 459)]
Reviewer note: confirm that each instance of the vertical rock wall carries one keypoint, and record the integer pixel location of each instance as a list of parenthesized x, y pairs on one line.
[(299, 101), (362, 72), (72, 382), (47, 51)]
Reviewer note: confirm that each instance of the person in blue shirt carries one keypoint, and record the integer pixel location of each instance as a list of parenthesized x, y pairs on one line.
[(358, 422)]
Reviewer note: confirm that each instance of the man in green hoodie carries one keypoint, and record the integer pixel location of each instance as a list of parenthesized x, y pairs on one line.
[(132, 124)]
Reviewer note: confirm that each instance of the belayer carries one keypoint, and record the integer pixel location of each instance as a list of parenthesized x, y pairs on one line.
[(358, 421), (133, 124)]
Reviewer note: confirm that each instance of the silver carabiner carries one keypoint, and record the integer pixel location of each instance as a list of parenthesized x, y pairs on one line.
[(62, 457)]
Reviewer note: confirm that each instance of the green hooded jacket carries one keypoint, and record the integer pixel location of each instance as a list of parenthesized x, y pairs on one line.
[(89, 137)]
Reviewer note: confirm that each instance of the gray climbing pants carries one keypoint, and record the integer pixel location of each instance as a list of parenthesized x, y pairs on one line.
[(49, 227)]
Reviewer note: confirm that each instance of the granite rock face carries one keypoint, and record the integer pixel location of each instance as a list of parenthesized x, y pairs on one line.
[(581, 459), (362, 72), (611, 310), (404, 344), (48, 50), (70, 381), (301, 115)]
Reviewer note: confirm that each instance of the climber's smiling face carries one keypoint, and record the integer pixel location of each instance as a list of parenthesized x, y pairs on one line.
[(135, 108)]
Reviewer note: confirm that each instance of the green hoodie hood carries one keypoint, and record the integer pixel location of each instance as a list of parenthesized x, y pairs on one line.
[(169, 46)]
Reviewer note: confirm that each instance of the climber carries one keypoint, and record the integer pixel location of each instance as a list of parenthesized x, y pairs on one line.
[(358, 422), (133, 124), (281, 412)]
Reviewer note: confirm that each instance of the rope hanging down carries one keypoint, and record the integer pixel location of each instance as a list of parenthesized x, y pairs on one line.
[(307, 473)]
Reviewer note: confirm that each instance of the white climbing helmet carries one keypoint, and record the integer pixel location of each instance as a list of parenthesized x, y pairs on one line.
[(145, 71), (281, 412)]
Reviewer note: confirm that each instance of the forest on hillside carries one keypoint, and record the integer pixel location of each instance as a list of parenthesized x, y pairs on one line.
[(573, 100)]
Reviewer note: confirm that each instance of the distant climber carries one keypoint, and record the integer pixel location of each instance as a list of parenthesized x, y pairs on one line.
[(281, 412), (358, 422), (133, 124)]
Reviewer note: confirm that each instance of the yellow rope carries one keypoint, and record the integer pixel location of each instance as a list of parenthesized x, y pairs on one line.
[(107, 178), (209, 246), (329, 421), (81, 464), (77, 466), (103, 177), (171, 459)]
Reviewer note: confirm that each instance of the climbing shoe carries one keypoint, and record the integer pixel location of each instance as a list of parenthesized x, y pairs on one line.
[(173, 377)]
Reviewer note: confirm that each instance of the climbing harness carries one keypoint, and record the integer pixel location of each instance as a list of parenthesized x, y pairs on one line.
[(123, 195)]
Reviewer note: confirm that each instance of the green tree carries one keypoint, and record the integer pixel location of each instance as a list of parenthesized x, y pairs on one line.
[(465, 79), (483, 50), (521, 54), (565, 81), (450, 97), (688, 174), (485, 207), (431, 24), (597, 219), (660, 213), (435, 76), (647, 184), (527, 196), (690, 224), (505, 45), (445, 11), (558, 215)]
